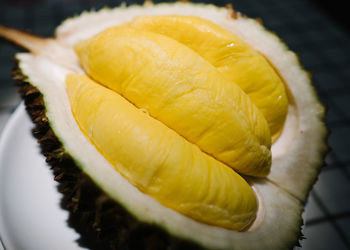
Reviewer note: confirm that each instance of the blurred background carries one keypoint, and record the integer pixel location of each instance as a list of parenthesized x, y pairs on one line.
[(316, 30)]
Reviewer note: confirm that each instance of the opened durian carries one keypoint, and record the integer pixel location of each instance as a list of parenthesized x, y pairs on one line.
[(174, 126)]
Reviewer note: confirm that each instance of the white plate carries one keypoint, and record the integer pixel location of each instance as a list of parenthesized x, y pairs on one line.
[(30, 215)]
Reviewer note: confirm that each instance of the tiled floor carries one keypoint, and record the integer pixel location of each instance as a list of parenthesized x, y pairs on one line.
[(323, 47), (3, 119)]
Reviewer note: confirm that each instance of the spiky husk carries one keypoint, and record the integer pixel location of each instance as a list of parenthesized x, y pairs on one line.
[(101, 222)]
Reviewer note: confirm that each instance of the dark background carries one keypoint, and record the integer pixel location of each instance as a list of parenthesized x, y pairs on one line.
[(317, 31)]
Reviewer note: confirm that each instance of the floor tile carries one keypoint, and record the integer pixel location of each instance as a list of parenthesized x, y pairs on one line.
[(312, 210), (333, 188), (330, 161), (344, 224), (342, 103), (322, 237), (336, 55), (326, 81), (333, 115), (9, 97), (339, 141), (3, 120)]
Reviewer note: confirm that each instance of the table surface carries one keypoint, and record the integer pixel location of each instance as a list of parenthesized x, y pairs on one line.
[(323, 48)]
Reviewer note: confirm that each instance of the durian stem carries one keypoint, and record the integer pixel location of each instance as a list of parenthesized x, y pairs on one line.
[(23, 39)]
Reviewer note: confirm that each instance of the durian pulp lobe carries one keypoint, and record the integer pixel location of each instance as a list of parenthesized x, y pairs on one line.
[(235, 59), (182, 90), (158, 161)]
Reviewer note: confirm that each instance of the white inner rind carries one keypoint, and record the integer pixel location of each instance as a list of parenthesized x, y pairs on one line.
[(296, 154)]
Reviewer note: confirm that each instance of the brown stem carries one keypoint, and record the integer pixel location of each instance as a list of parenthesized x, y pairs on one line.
[(23, 39)]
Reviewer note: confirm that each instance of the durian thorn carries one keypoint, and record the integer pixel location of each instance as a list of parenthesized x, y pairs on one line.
[(23, 39), (229, 6), (148, 2)]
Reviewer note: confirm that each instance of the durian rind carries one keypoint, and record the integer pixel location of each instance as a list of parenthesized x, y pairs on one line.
[(298, 152), (286, 208)]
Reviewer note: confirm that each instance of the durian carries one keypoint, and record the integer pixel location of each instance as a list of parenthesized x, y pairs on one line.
[(183, 126)]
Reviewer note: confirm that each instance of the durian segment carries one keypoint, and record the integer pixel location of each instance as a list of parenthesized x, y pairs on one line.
[(280, 217), (235, 59), (302, 145), (182, 90), (158, 161)]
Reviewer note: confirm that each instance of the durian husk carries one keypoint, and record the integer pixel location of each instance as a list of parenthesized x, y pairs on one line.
[(101, 222)]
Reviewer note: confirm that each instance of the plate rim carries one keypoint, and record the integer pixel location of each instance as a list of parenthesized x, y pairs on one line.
[(4, 137)]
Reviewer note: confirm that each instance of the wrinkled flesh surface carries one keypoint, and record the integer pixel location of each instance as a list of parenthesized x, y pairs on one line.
[(158, 161), (192, 95), (236, 60), (182, 90)]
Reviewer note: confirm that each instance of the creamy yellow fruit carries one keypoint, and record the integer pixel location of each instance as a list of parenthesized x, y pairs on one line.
[(182, 90), (232, 57), (157, 160)]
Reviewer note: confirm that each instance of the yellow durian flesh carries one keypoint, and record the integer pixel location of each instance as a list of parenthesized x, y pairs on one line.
[(158, 161), (182, 90), (236, 60)]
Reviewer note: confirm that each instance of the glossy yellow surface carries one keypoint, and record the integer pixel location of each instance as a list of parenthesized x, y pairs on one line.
[(157, 160), (237, 61), (182, 90)]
